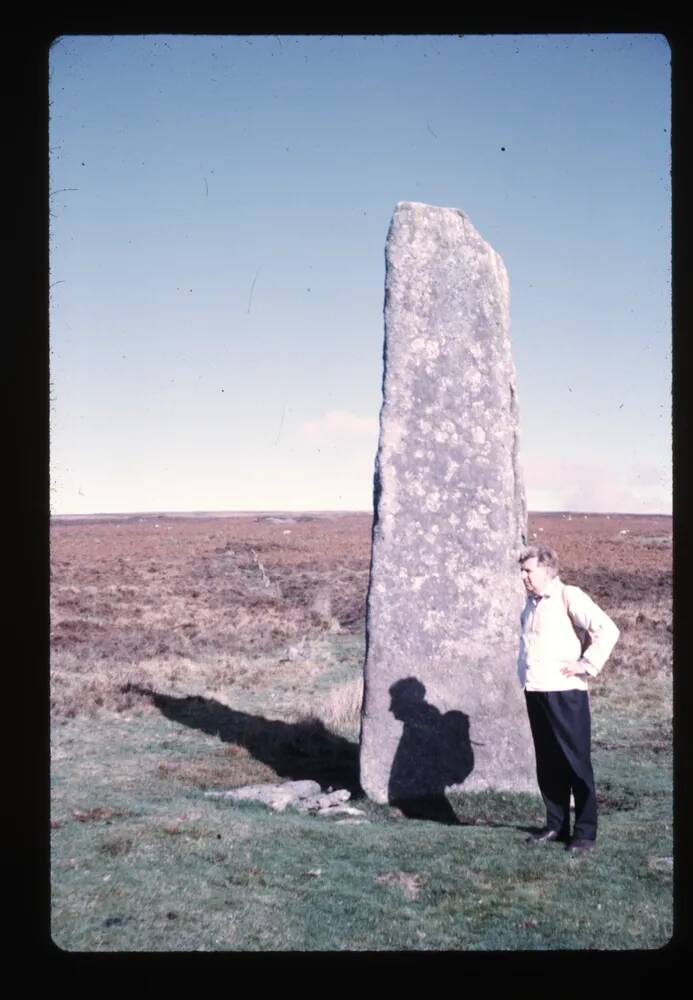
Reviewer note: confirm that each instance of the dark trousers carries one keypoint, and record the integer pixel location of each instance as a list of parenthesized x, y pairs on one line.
[(561, 730)]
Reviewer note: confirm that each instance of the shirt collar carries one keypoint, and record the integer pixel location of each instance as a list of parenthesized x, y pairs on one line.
[(552, 588)]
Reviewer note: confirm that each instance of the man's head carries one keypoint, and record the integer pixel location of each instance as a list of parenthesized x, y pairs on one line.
[(407, 697), (538, 566)]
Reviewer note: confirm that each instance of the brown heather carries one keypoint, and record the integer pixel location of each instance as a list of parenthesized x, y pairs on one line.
[(207, 605)]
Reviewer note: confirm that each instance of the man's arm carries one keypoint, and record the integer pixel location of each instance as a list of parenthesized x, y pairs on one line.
[(603, 632)]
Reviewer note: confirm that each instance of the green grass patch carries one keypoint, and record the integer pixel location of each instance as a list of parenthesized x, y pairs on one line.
[(144, 861)]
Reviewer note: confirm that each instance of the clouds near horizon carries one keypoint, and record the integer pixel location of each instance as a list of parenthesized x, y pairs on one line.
[(567, 483), (340, 425)]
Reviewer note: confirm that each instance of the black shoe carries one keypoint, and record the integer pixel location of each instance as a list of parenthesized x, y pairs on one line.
[(579, 846), (545, 836)]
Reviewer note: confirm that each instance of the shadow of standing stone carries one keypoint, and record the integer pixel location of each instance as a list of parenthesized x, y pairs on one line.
[(295, 750)]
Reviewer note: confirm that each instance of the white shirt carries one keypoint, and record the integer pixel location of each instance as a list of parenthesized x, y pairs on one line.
[(548, 638)]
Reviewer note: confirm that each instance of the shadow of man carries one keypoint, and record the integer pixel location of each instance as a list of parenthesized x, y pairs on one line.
[(434, 751), (293, 750)]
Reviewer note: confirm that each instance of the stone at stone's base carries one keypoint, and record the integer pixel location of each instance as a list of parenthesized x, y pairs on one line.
[(329, 800), (276, 796), (305, 796)]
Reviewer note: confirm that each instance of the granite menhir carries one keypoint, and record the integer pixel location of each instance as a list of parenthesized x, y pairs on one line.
[(443, 707)]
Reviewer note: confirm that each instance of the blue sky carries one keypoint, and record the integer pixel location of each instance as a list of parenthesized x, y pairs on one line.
[(219, 211)]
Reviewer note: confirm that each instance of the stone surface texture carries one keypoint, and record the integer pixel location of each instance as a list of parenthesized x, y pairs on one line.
[(449, 523)]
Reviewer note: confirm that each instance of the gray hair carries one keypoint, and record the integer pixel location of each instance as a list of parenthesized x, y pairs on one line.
[(545, 557)]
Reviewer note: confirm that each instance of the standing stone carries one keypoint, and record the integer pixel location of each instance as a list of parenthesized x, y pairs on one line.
[(443, 706)]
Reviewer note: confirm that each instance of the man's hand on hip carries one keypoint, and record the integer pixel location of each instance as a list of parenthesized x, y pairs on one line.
[(571, 668)]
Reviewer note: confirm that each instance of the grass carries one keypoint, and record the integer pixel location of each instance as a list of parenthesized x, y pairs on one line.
[(143, 860)]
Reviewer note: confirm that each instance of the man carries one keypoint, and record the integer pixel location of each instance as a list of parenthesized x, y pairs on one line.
[(553, 667)]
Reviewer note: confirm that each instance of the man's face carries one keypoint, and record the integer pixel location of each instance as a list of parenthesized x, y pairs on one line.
[(534, 576)]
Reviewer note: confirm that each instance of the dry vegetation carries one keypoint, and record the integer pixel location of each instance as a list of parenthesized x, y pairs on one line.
[(210, 606), (197, 605), (209, 652)]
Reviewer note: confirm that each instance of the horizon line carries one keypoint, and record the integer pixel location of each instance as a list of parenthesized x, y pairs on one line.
[(248, 512)]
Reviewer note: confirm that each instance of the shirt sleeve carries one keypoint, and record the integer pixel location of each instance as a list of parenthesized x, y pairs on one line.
[(603, 632)]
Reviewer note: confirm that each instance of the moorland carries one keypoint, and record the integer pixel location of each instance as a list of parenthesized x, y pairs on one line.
[(193, 654)]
